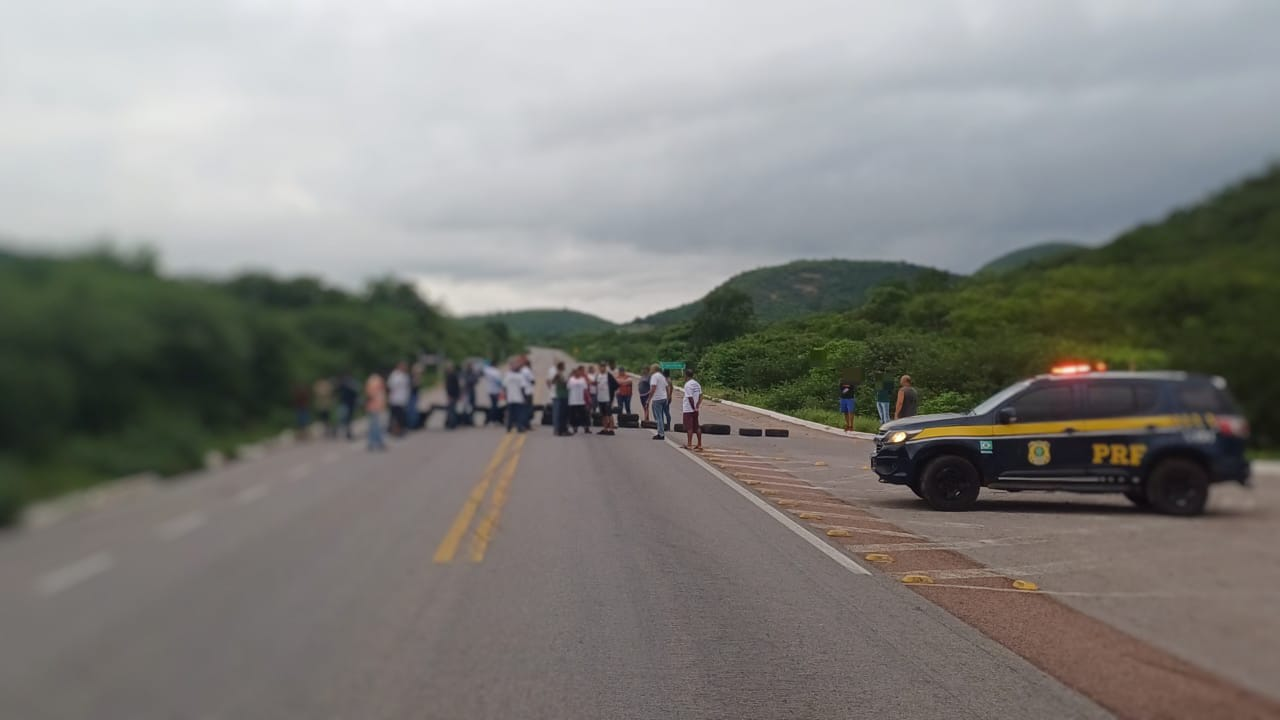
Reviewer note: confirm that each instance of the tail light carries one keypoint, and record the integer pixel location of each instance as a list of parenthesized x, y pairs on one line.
[(1233, 426)]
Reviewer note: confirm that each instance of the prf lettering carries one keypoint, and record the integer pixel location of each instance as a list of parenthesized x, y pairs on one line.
[(1116, 454)]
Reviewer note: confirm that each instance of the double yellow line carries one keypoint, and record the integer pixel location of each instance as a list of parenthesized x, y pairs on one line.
[(502, 467)]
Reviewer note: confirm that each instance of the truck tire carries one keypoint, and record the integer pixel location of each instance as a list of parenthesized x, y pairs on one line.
[(1178, 486), (777, 433), (716, 429), (950, 483), (750, 432)]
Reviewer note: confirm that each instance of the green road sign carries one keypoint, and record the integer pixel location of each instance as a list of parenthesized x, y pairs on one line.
[(671, 365)]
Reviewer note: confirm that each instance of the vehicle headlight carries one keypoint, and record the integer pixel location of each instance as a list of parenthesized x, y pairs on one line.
[(897, 438)]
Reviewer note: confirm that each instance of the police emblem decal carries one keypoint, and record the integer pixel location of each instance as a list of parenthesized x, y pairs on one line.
[(1038, 452)]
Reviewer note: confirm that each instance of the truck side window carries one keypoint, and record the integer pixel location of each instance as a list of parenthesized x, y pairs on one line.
[(1110, 399), (1042, 404)]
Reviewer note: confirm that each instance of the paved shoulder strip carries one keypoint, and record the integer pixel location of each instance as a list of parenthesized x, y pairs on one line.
[(840, 558)]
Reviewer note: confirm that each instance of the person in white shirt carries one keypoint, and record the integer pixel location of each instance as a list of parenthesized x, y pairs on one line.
[(660, 401), (398, 390), (578, 415), (513, 383), (692, 404), (493, 383), (603, 406), (530, 381)]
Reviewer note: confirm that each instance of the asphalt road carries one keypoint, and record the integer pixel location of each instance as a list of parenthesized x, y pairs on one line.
[(475, 574)]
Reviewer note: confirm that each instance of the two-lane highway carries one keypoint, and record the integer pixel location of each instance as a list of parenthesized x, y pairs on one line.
[(475, 574)]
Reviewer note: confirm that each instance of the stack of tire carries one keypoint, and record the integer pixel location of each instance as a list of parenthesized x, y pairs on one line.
[(629, 421)]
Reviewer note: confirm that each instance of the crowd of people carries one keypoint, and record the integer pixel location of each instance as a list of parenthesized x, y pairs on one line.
[(580, 397)]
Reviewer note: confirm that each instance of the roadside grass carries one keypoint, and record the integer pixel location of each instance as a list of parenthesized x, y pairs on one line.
[(861, 423)]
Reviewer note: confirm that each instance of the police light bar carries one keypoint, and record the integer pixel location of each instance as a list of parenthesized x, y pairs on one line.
[(1077, 368)]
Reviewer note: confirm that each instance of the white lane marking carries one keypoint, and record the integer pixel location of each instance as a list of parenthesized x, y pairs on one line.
[(840, 558), (299, 471), (251, 494), (175, 528), (68, 576)]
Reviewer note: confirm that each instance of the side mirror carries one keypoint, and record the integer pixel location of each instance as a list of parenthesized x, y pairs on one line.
[(1007, 415)]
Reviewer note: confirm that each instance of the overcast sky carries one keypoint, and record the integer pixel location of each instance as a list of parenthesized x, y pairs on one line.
[(618, 158)]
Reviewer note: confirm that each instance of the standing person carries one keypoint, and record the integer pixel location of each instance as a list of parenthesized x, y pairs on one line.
[(472, 378), (375, 404), (530, 382), (603, 406), (322, 402), (644, 393), (398, 391), (659, 399), (692, 406), (626, 386), (513, 384), (908, 401), (579, 415), (452, 394), (848, 403), (415, 393), (884, 399), (493, 386), (559, 401), (348, 395)]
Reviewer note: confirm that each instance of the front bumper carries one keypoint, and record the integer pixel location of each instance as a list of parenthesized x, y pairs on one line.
[(891, 464)]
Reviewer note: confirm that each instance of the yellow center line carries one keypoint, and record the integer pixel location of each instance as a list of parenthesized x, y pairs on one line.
[(484, 531), (449, 545)]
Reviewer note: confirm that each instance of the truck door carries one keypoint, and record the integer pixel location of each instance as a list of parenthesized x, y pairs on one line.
[(1035, 440)]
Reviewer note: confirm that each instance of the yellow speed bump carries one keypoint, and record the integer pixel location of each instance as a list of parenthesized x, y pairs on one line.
[(917, 580), (1026, 585), (879, 558), (809, 516), (839, 533), (767, 491), (787, 503), (752, 483), (819, 464)]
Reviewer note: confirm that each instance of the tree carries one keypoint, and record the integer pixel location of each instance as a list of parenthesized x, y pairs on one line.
[(726, 313)]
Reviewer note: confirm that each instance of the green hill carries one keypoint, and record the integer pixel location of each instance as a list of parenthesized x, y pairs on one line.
[(803, 287), (539, 325), (1035, 254)]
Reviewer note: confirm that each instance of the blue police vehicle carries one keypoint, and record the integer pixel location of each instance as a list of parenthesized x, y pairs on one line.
[(1160, 438)]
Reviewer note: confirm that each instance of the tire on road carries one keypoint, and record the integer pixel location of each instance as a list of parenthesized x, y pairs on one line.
[(632, 417), (679, 427), (950, 483), (630, 424), (1178, 486), (915, 488), (716, 429), (649, 425), (777, 433), (750, 432)]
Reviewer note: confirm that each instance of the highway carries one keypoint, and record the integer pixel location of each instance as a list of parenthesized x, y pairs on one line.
[(481, 575)]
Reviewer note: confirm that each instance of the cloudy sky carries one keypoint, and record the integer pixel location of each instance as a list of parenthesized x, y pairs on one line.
[(618, 157)]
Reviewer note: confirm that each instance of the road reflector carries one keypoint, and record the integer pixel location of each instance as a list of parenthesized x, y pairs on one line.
[(1026, 585), (839, 533), (879, 558), (767, 491), (917, 580), (819, 464), (787, 503), (779, 458), (809, 516), (866, 467)]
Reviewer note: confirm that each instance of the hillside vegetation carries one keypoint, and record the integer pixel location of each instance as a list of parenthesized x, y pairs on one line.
[(108, 369), (1196, 291), (803, 287), (543, 325), (1035, 254)]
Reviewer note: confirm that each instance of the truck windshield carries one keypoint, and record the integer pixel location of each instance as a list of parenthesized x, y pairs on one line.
[(990, 404)]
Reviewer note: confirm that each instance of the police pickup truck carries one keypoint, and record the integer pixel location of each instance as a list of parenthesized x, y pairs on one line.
[(1161, 438)]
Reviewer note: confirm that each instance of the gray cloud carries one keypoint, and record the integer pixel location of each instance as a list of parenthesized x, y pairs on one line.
[(511, 157)]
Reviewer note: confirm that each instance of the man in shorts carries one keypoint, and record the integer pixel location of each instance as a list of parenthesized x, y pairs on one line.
[(692, 405), (848, 403)]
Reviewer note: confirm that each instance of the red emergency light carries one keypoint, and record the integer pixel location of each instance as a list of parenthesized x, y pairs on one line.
[(1077, 368)]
